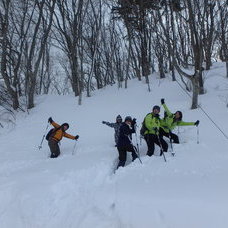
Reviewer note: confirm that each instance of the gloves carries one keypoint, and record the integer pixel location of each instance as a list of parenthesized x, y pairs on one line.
[(156, 115), (103, 122), (133, 122), (162, 101), (76, 137), (197, 123), (50, 120), (155, 129)]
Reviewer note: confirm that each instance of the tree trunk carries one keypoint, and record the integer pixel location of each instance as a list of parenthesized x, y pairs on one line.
[(4, 43), (227, 69), (161, 67), (201, 87), (195, 92), (208, 60), (31, 90), (74, 74)]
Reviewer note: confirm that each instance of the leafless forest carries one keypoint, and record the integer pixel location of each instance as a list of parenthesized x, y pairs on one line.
[(65, 46)]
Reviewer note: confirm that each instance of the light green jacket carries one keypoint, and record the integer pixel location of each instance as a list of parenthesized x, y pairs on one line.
[(152, 124), (168, 123)]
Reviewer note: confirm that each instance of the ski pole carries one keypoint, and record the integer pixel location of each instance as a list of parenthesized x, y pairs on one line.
[(136, 138), (137, 149), (161, 148), (40, 146), (74, 147), (197, 134), (137, 153), (171, 143), (140, 140)]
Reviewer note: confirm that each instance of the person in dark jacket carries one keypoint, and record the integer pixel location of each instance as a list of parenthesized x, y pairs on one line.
[(151, 135), (124, 144), (171, 121), (116, 127), (58, 133)]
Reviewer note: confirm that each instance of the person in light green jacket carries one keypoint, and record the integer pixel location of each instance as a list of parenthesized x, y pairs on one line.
[(171, 121), (151, 134)]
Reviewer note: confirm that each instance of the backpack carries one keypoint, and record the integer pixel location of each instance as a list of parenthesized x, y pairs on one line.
[(143, 128), (51, 133)]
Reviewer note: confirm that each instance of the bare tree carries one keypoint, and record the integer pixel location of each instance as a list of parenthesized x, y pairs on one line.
[(25, 27), (35, 47), (223, 31), (135, 17), (69, 19), (93, 42), (7, 115), (45, 71), (194, 29), (208, 30), (5, 46)]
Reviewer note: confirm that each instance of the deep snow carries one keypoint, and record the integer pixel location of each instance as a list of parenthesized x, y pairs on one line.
[(81, 191)]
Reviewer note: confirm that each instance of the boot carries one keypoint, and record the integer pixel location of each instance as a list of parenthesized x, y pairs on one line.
[(161, 152), (121, 163), (134, 156), (53, 155), (149, 154)]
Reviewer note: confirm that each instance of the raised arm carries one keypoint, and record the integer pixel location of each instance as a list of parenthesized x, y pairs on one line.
[(109, 124), (53, 123), (165, 107)]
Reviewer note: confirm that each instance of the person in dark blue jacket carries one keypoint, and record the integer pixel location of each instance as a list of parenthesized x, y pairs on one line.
[(124, 143)]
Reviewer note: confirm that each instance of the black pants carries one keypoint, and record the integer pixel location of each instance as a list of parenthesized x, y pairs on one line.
[(151, 139), (54, 148), (123, 154), (173, 137)]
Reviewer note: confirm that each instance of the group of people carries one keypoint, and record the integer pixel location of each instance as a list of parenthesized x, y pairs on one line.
[(153, 130)]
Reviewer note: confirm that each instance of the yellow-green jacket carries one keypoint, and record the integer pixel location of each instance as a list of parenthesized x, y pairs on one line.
[(152, 123), (168, 123)]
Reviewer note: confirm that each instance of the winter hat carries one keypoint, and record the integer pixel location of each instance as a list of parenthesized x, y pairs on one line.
[(156, 107), (181, 115), (128, 118), (65, 124), (119, 117)]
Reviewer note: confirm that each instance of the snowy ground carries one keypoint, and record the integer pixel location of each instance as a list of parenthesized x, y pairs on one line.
[(80, 190)]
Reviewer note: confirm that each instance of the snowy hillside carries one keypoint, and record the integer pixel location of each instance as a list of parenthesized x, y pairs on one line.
[(80, 190)]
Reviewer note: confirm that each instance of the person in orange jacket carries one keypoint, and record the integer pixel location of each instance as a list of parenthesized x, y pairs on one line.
[(56, 135)]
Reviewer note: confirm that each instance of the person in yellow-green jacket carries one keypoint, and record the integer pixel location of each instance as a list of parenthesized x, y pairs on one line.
[(151, 135), (171, 121)]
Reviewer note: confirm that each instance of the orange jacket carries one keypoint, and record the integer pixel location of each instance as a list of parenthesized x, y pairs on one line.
[(59, 134)]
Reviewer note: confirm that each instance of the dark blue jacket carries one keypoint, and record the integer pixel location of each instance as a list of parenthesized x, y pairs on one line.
[(125, 135)]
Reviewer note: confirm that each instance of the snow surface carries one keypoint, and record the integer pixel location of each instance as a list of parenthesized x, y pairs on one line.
[(79, 189)]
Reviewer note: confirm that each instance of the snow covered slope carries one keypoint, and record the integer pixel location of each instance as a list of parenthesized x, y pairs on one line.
[(80, 191)]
